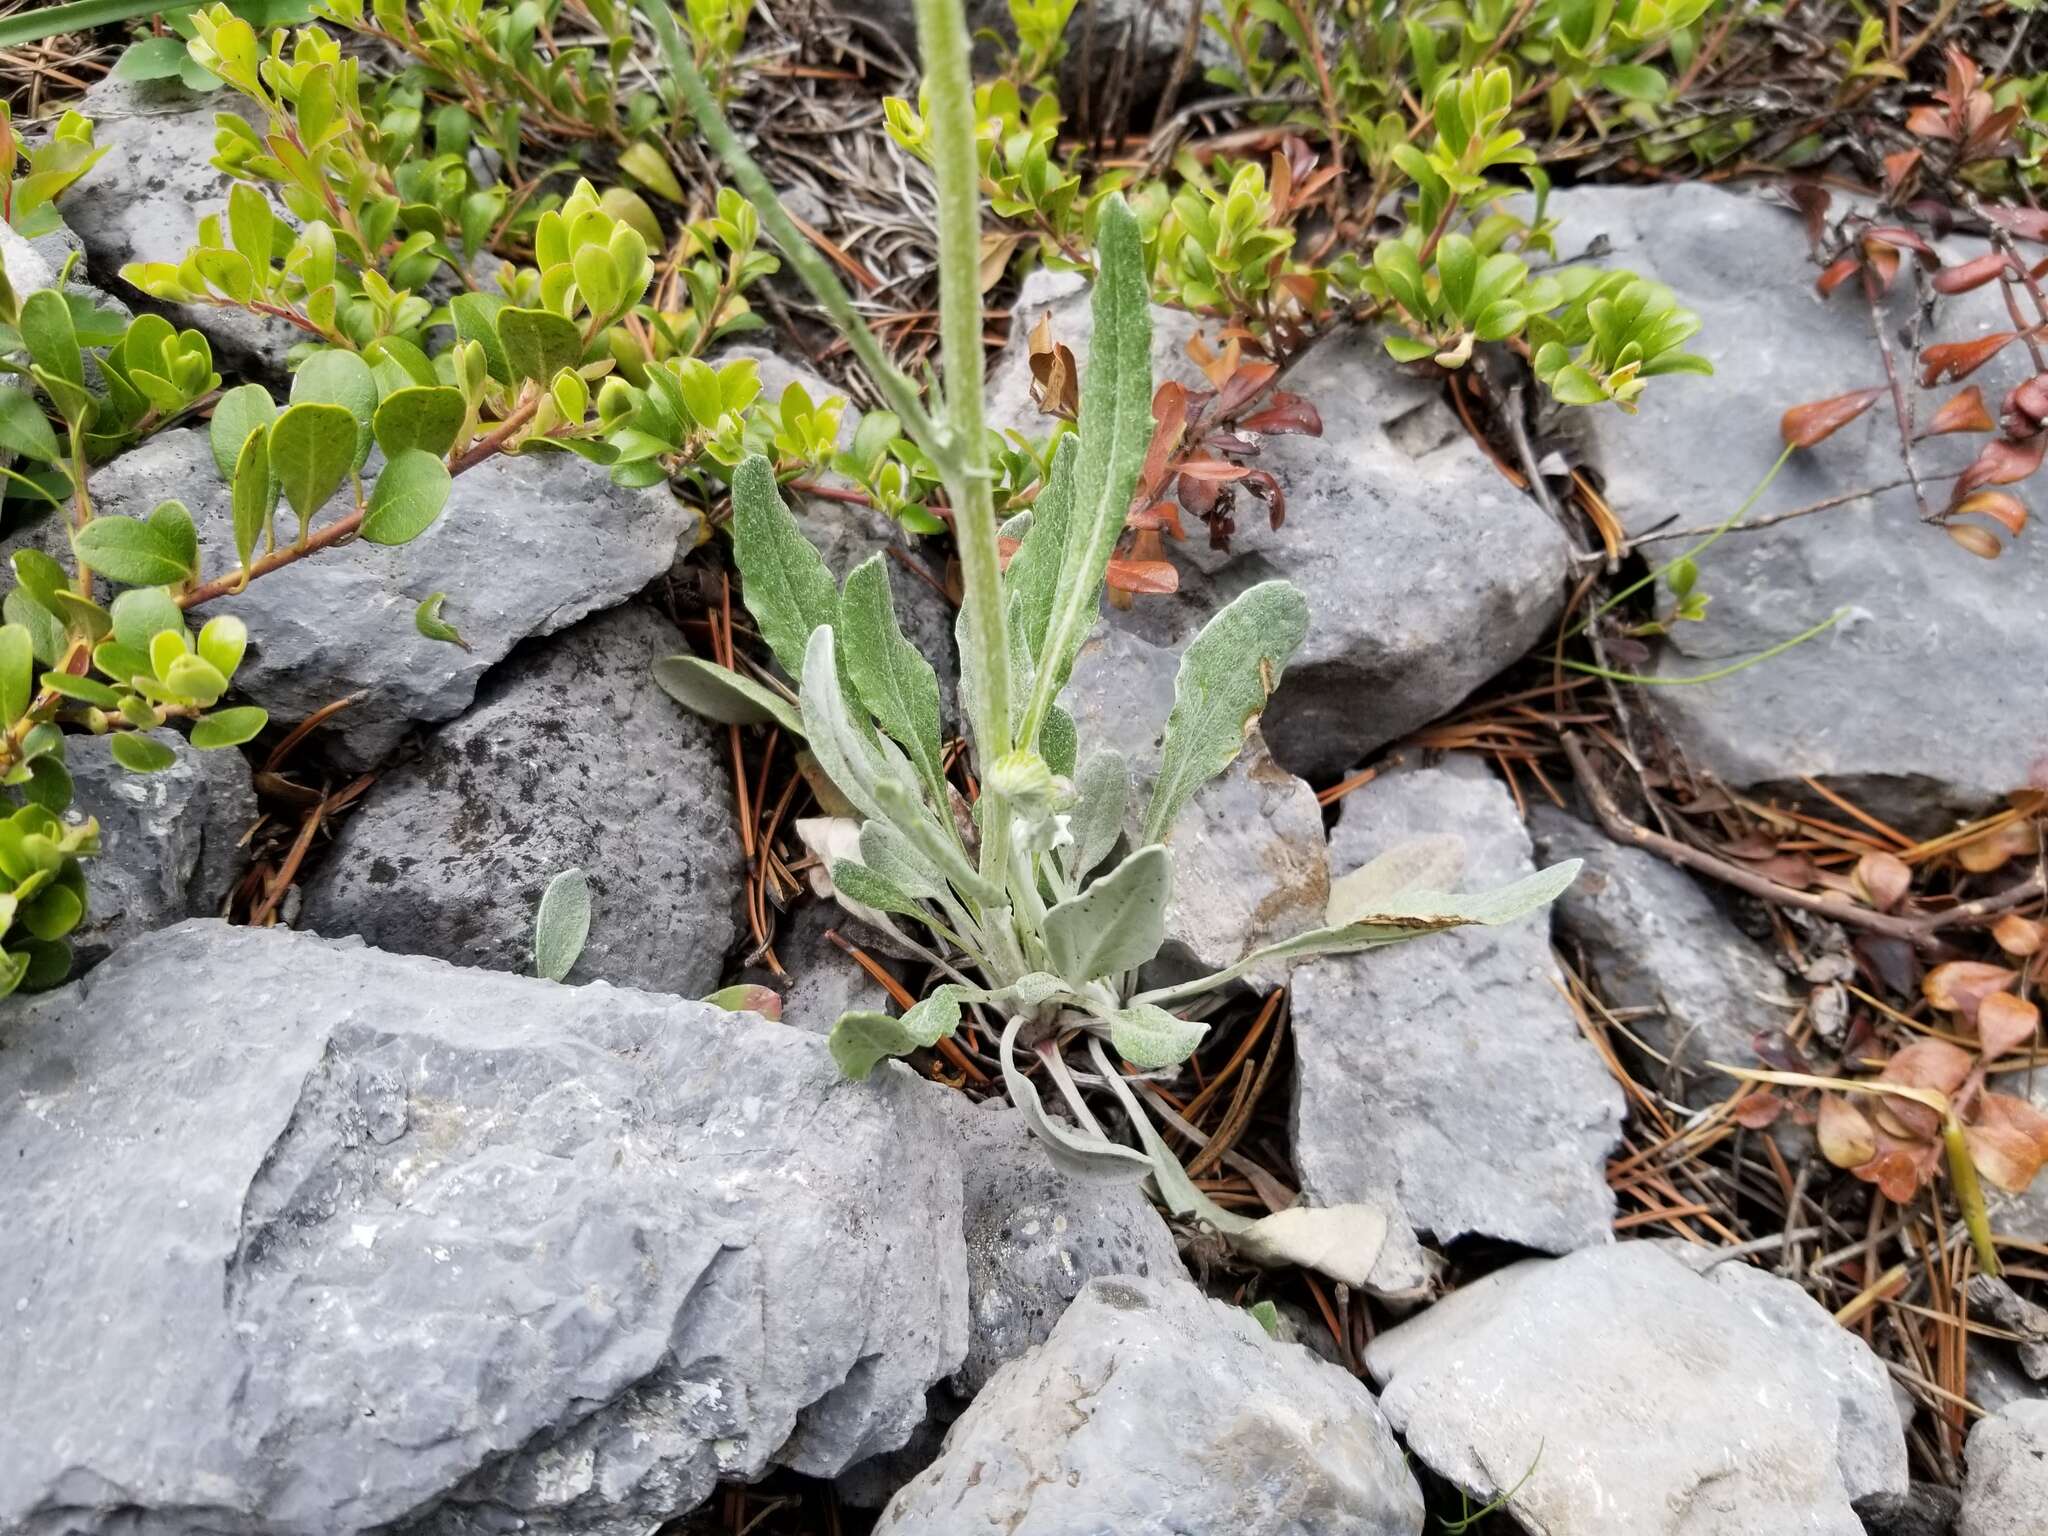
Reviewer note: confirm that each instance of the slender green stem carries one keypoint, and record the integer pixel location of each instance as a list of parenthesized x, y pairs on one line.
[(816, 273), (1719, 672), (949, 85), (1962, 1176), (1727, 524)]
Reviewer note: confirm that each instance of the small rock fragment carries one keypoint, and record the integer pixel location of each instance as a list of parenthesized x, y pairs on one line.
[(2006, 1490)]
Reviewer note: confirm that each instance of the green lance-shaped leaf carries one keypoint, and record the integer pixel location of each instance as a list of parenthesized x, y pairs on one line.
[(538, 343), (784, 580), (407, 498), (1408, 915), (17, 672), (1101, 795), (561, 924), (1116, 429), (892, 856), (238, 413), (861, 1039), (335, 377), (1117, 924), (429, 419), (1150, 1038), (312, 450), (894, 680), (253, 495), (1226, 675), (1033, 577), (716, 693)]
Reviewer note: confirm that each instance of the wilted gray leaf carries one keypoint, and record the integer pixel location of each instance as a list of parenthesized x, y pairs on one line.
[(1073, 1152), (1422, 863), (561, 924)]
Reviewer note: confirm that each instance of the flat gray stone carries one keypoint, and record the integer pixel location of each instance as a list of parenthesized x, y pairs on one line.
[(1426, 572), (820, 981), (1155, 1411), (307, 1238), (34, 265), (170, 842), (1657, 942), (1924, 697), (1035, 1237), (1643, 1397), (145, 198), (2006, 1491), (1447, 1074), (571, 757), (526, 546)]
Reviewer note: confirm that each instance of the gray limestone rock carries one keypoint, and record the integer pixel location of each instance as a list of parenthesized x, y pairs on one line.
[(571, 757), (1926, 695), (1426, 571), (1645, 1398), (1447, 1074), (1657, 942), (526, 546), (820, 981), (2006, 1491), (305, 1239), (144, 200), (169, 841), (1155, 1411)]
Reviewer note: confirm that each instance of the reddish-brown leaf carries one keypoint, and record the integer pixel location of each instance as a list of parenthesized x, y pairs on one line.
[(1267, 489), (1967, 275), (1981, 542), (1901, 1168), (1898, 166), (1912, 240), (1169, 423), (1885, 878), (2005, 1023), (2003, 1156), (1846, 1137), (1216, 471), (1161, 515), (1818, 420), (1992, 850), (2002, 507), (1239, 389), (1285, 414), (1147, 576), (1755, 1111), (1838, 273), (1928, 123), (1880, 265), (1812, 200), (2025, 406), (2027, 223), (1964, 411), (1958, 987), (2002, 462), (1960, 359)]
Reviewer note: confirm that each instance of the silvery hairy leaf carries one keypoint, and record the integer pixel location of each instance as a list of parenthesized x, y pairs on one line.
[(854, 760), (707, 689), (862, 1038), (1150, 1038), (783, 579), (1117, 924), (1101, 795), (1226, 675), (561, 924), (1032, 579), (894, 680), (891, 855), (1076, 1153), (1421, 863)]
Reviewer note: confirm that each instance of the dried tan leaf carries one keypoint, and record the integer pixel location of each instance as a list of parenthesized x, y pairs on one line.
[(2005, 1023), (1885, 878), (1846, 1139), (2018, 935), (1964, 411), (1959, 986), (1981, 542)]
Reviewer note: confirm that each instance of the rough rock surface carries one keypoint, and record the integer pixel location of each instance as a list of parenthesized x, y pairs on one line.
[(572, 757), (1035, 1237), (2006, 1490), (169, 841), (526, 546), (1645, 1398), (1251, 862), (1927, 692), (1427, 571), (145, 198), (1155, 1411), (820, 981), (306, 1238), (33, 265), (1658, 942), (1447, 1074)]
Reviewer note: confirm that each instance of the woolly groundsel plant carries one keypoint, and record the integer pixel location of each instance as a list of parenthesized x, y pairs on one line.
[(1029, 900)]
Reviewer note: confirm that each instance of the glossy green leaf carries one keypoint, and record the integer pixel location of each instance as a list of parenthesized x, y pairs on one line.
[(312, 450), (130, 551), (17, 672), (253, 495), (561, 925), (24, 430), (223, 640), (407, 497), (141, 754), (228, 727), (415, 417), (236, 414), (538, 343), (335, 377), (1117, 924), (1226, 675), (428, 621)]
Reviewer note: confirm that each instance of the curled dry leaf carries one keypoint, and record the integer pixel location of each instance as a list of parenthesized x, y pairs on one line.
[(2018, 935), (1756, 1111), (1838, 273), (2002, 462), (1960, 986), (1998, 847), (1981, 542), (1962, 412), (2005, 1023), (1925, 1064), (1901, 1169), (1055, 379), (1846, 1137), (1152, 577), (1960, 359), (1885, 878), (1817, 420), (2008, 1141), (2002, 507)]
